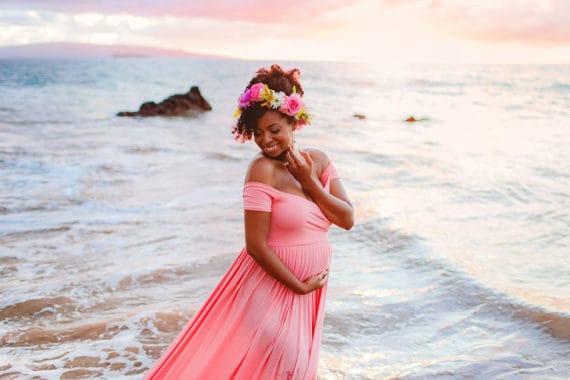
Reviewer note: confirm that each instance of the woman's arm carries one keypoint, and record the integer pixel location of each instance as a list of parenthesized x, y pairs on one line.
[(256, 230), (256, 225), (335, 204)]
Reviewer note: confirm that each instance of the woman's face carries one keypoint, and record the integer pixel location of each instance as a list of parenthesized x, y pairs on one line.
[(274, 134)]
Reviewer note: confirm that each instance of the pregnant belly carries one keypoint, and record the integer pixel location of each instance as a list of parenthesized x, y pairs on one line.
[(305, 260)]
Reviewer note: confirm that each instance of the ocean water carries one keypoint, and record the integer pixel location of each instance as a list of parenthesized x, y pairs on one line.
[(113, 231)]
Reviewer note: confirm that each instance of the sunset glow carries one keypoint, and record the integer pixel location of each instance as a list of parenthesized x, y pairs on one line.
[(525, 31)]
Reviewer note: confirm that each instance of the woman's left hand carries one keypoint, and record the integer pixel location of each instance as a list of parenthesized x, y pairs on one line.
[(300, 165)]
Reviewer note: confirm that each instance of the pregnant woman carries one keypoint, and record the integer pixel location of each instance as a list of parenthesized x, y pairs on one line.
[(264, 319)]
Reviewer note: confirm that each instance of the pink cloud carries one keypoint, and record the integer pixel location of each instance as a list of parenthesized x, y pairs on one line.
[(254, 11), (531, 22)]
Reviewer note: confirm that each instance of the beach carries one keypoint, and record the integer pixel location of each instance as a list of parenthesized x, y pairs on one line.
[(113, 231)]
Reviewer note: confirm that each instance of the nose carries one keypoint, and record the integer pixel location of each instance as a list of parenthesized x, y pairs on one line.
[(267, 138)]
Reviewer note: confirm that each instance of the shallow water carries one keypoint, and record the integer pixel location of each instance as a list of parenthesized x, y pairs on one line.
[(113, 231)]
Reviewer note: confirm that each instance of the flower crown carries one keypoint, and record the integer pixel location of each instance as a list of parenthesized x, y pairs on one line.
[(291, 105)]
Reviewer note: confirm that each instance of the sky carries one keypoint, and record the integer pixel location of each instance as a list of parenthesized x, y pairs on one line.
[(449, 31)]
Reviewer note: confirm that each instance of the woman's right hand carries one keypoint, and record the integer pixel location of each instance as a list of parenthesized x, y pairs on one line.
[(316, 282), (300, 165)]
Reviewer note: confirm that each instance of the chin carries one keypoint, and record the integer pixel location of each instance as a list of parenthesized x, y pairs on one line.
[(275, 155)]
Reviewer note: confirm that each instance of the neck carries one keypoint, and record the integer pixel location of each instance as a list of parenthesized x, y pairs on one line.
[(280, 158)]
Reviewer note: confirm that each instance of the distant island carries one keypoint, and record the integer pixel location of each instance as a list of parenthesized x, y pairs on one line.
[(77, 50)]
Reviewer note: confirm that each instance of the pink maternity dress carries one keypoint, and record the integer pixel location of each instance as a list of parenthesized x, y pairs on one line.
[(252, 326)]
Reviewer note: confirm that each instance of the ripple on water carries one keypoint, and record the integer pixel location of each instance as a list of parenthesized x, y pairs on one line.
[(119, 346)]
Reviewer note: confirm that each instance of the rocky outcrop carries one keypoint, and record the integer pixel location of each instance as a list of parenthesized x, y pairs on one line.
[(412, 119), (175, 105)]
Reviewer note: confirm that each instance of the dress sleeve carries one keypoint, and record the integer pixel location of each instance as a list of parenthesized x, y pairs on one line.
[(257, 197), (328, 175), (332, 170)]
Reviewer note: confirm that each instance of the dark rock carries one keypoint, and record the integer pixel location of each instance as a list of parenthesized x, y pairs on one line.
[(412, 119), (175, 105), (359, 116)]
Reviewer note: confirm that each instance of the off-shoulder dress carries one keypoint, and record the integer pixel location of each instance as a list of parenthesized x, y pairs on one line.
[(252, 326)]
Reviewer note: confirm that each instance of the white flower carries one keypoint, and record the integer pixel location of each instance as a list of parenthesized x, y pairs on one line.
[(277, 100)]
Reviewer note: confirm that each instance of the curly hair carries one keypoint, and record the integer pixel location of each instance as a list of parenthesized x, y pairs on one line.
[(276, 79)]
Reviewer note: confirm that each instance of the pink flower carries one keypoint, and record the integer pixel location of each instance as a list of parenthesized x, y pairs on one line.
[(244, 99), (283, 107), (255, 92), (294, 104)]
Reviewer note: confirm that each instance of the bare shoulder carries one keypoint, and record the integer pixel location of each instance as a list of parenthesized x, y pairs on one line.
[(261, 169), (319, 157)]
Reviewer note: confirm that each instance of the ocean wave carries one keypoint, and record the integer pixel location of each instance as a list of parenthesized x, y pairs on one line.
[(435, 83), (48, 206), (44, 123), (559, 87), (556, 324), (143, 149), (126, 345), (379, 234), (6, 110), (377, 158), (35, 308), (222, 156), (159, 322), (451, 284), (14, 236)]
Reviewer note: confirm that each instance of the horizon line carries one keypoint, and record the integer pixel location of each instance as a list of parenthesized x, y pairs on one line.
[(105, 51)]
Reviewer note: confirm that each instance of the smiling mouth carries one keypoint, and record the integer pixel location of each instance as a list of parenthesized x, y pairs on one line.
[(271, 149)]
